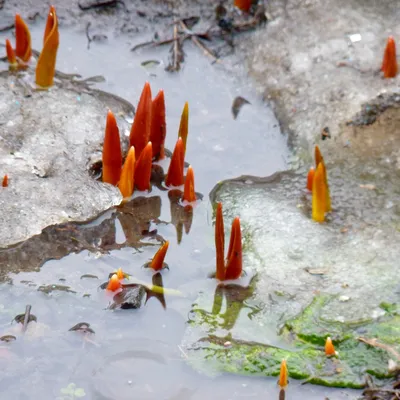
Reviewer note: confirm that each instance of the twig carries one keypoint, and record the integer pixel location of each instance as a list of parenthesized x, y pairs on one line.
[(200, 44), (7, 27), (101, 4), (375, 343), (26, 317), (88, 35), (177, 53)]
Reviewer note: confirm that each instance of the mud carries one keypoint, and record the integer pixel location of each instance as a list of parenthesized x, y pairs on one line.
[(311, 69)]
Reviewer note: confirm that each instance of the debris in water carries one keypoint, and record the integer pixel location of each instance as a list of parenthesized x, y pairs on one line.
[(325, 133), (237, 104), (176, 51), (141, 127), (189, 194), (5, 181), (143, 168), (389, 63), (175, 171), (329, 348), (25, 318), (94, 4), (130, 297), (233, 267), (89, 276), (82, 327), (126, 183), (157, 263), (46, 65), (150, 63), (283, 375), (8, 338), (112, 155)]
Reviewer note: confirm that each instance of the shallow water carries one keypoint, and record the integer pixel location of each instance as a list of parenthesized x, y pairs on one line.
[(136, 354)]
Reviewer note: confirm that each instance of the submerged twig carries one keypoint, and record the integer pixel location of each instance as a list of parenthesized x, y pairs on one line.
[(200, 44), (237, 104), (85, 6), (26, 318), (88, 35), (177, 55), (7, 27)]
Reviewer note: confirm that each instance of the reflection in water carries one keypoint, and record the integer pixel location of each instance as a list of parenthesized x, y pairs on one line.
[(136, 217), (235, 296), (181, 216), (57, 241)]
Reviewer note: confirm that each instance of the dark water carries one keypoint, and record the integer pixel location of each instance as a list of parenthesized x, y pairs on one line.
[(136, 354)]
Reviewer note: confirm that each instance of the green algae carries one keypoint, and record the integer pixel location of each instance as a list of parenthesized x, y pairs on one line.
[(303, 339)]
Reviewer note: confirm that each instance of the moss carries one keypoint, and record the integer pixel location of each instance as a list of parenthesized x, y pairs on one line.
[(304, 337)]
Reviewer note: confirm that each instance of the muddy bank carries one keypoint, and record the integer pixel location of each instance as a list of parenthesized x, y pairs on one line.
[(317, 62), (48, 141)]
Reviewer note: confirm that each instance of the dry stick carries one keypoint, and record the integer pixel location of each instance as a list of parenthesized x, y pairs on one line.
[(26, 317), (375, 343), (199, 44), (176, 56), (88, 35)]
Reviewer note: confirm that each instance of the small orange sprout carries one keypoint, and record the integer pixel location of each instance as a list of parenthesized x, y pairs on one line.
[(114, 283), (318, 156), (23, 48), (319, 195), (184, 126), (220, 243), (232, 269), (389, 63), (46, 65), (234, 256), (189, 194), (143, 168), (310, 178), (5, 181), (120, 274), (158, 260), (11, 57), (243, 5), (175, 171), (329, 348), (127, 181), (328, 206), (319, 159), (158, 126), (283, 375), (141, 127), (112, 156)]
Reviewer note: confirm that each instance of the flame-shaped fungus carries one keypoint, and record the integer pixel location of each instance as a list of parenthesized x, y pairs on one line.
[(46, 65)]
